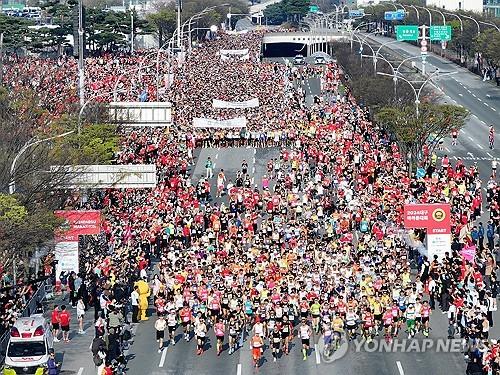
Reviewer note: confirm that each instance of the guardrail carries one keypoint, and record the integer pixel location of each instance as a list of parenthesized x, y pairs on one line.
[(30, 307)]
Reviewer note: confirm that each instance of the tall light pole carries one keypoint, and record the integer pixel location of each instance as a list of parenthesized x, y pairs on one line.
[(81, 57), (475, 21), (489, 24), (418, 91), (461, 34), (32, 142), (179, 11)]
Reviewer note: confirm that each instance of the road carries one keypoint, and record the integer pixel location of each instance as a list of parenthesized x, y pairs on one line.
[(466, 89), (182, 359)]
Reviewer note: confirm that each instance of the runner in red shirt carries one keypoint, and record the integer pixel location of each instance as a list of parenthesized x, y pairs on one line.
[(54, 319), (64, 320)]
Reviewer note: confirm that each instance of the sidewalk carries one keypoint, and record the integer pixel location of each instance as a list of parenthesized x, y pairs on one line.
[(75, 356)]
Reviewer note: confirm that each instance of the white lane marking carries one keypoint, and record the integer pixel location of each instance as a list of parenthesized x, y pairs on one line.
[(486, 104), (474, 95), (494, 109), (459, 94), (491, 156), (254, 159), (471, 138), (216, 156), (80, 371), (163, 357), (454, 157), (446, 148), (400, 368), (470, 153), (252, 180), (253, 169), (238, 369), (316, 351), (214, 165), (254, 151), (488, 95), (481, 147)]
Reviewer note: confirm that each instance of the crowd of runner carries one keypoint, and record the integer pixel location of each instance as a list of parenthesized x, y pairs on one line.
[(315, 249)]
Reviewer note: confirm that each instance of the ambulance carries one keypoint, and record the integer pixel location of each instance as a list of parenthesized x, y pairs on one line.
[(29, 344)]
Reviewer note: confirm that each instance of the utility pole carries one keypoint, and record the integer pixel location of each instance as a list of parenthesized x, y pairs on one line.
[(423, 50), (1, 59), (81, 57), (179, 11), (131, 30)]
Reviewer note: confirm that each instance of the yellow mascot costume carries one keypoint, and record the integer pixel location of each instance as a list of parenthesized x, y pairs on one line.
[(144, 293)]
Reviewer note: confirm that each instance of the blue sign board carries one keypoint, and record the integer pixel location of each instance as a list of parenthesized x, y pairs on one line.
[(356, 13), (394, 16)]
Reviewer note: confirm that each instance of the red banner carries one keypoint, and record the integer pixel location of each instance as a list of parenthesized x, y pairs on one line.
[(78, 223), (434, 217)]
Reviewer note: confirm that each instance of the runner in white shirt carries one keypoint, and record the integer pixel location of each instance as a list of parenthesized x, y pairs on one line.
[(305, 333)]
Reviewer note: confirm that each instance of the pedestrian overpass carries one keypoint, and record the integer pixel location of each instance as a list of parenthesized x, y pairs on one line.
[(289, 44)]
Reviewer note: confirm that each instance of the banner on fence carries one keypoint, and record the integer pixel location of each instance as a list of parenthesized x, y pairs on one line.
[(252, 103), (67, 257), (237, 122)]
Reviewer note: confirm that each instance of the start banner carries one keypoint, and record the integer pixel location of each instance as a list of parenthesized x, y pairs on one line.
[(252, 103), (237, 122), (77, 223), (434, 217), (234, 52)]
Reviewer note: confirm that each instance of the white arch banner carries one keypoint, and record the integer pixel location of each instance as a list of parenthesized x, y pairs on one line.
[(237, 122), (252, 103), (237, 52)]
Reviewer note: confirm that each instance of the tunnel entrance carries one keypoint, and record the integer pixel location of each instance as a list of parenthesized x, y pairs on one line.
[(283, 49)]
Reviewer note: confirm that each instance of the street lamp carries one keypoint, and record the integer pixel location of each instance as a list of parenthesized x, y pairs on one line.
[(80, 113), (461, 33), (473, 19), (418, 92), (417, 12), (81, 57), (32, 142), (490, 24)]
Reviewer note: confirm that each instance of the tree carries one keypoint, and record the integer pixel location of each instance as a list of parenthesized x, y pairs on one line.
[(164, 23), (295, 9), (14, 29), (96, 144), (23, 229), (488, 42), (275, 14), (412, 132)]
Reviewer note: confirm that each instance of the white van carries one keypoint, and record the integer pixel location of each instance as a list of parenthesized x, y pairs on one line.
[(29, 344)]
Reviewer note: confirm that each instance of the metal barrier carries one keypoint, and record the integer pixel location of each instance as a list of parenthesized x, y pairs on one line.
[(30, 307)]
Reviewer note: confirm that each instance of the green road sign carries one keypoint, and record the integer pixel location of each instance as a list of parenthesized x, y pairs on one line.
[(442, 33), (313, 9), (407, 32)]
